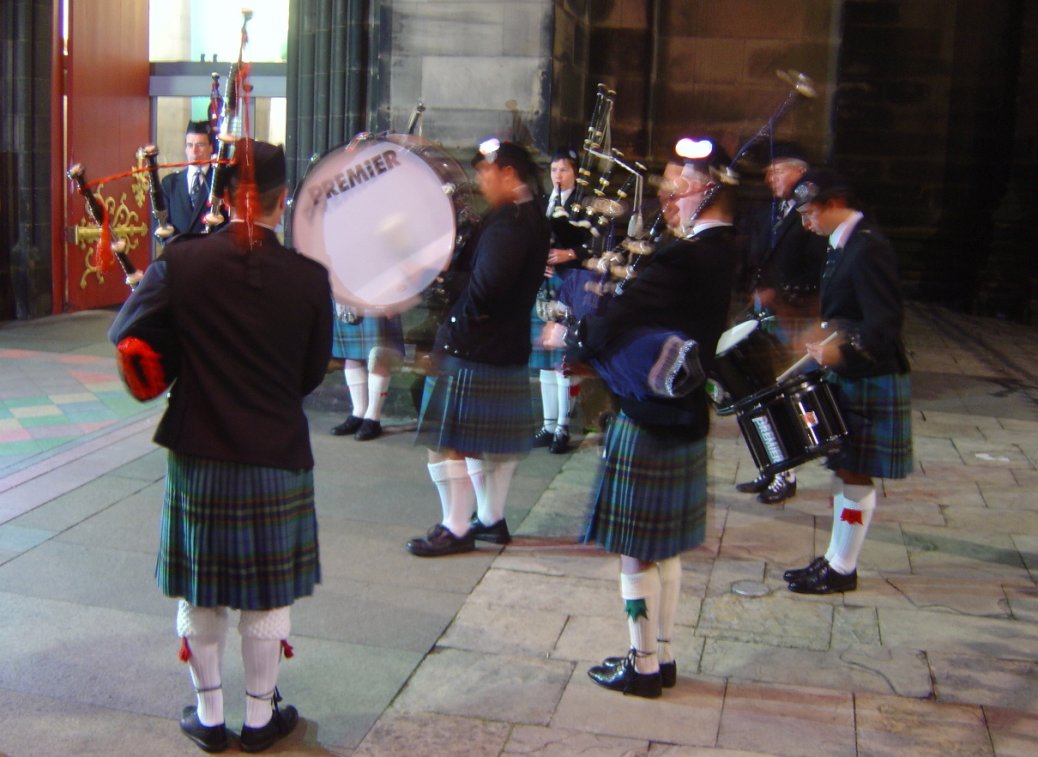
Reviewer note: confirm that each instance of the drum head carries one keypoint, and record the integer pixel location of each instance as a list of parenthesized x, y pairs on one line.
[(379, 214), (736, 334)]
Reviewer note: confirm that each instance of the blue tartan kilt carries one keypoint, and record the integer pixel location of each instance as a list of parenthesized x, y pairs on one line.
[(475, 409), (235, 535), (878, 414), (356, 340), (541, 358), (650, 501)]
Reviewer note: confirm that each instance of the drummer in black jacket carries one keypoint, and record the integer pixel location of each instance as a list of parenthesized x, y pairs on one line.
[(650, 500), (867, 367), (476, 419)]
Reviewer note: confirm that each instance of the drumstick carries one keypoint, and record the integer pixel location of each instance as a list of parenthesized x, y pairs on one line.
[(791, 370)]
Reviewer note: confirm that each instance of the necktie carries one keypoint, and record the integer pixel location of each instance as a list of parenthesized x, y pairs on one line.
[(198, 188), (830, 261)]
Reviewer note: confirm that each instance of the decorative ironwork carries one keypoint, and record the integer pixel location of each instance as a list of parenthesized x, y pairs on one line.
[(125, 224)]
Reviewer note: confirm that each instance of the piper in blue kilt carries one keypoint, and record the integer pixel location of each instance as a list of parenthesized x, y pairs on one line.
[(867, 366), (475, 417), (253, 323), (371, 346), (649, 504)]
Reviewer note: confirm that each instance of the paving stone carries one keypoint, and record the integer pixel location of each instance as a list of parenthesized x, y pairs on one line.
[(992, 519), (985, 453), (897, 726), (470, 684), (727, 572), (884, 550), (1013, 733), (588, 641), (1027, 544), (855, 627), (935, 450), (1010, 497), (579, 596), (926, 490), (398, 733), (999, 474), (671, 750), (775, 620), (870, 669), (686, 714), (952, 594), (968, 554), (583, 561), (969, 679), (957, 423), (790, 720), (69, 509), (500, 629), (765, 534), (963, 634), (1023, 602), (562, 742)]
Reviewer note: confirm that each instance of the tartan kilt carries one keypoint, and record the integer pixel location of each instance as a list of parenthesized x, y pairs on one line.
[(878, 413), (356, 340), (475, 409), (541, 358), (236, 535), (650, 501)]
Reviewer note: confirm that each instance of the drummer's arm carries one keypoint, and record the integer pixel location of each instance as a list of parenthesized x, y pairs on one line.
[(877, 289)]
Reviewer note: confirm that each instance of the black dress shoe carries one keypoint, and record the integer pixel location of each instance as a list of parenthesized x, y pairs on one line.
[(625, 678), (369, 429), (497, 533), (281, 724), (779, 490), (668, 670), (756, 486), (211, 738), (440, 541), (543, 437), (348, 426), (825, 581), (795, 574), (559, 442)]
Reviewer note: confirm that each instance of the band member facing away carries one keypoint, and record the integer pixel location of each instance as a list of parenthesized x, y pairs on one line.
[(867, 367), (649, 504), (783, 270), (371, 346), (253, 322), (476, 415), (187, 191), (566, 256)]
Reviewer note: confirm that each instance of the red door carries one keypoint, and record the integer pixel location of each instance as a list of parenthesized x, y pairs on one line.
[(107, 113)]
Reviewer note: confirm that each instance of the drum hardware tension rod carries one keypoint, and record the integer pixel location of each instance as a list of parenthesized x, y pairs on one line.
[(791, 370)]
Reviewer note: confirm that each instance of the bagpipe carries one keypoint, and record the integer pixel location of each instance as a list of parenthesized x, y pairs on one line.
[(147, 357)]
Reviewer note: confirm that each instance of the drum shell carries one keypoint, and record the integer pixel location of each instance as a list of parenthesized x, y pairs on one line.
[(749, 366), (791, 423)]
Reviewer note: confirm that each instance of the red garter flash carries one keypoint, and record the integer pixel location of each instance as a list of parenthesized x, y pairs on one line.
[(287, 649), (851, 516), (140, 367), (185, 651)]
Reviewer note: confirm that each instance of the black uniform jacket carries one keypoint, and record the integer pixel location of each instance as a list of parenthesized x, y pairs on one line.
[(861, 298), (489, 322), (685, 286), (566, 236), (789, 262), (183, 216), (254, 332)]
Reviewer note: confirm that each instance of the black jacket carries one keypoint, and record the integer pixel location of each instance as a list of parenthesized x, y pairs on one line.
[(183, 216), (684, 286), (253, 331), (861, 298), (489, 322), (566, 236), (789, 260)]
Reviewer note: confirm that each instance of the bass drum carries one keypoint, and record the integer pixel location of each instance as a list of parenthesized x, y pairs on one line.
[(381, 213)]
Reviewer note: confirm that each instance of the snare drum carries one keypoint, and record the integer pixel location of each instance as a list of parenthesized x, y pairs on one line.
[(381, 214), (747, 360), (791, 423)]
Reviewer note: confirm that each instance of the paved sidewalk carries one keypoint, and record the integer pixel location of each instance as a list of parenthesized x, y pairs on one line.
[(486, 653)]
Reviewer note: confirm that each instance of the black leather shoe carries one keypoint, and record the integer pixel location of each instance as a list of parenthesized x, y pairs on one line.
[(779, 490), (795, 574), (668, 670), (369, 429), (543, 437), (825, 581), (497, 533), (440, 541), (210, 738), (625, 678), (756, 486), (559, 442), (281, 724), (348, 426)]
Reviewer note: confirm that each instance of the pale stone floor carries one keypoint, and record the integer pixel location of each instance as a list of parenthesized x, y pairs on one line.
[(486, 654)]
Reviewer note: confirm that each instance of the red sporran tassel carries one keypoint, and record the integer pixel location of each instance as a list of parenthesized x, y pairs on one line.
[(287, 649), (185, 650)]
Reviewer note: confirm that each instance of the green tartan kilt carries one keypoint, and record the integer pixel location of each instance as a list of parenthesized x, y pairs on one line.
[(878, 413), (476, 409), (650, 501), (235, 535)]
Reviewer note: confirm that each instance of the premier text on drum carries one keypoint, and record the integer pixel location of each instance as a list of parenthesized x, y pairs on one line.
[(353, 175)]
